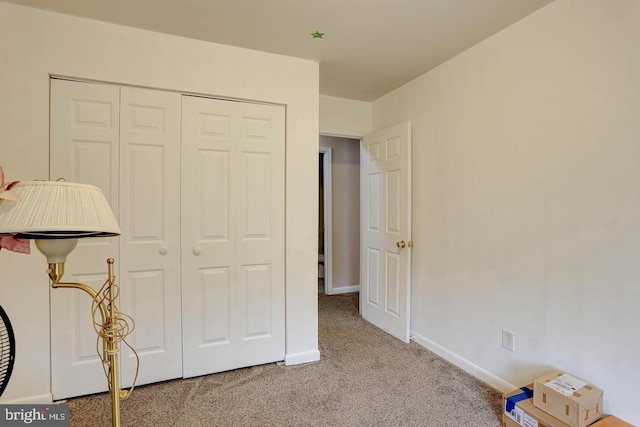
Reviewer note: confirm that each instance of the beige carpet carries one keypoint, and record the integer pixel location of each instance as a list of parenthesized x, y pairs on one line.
[(364, 378)]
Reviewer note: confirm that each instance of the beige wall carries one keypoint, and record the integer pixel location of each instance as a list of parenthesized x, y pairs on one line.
[(344, 117), (526, 200), (345, 203), (34, 44)]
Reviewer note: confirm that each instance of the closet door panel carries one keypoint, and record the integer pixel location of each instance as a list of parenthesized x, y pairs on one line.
[(84, 147), (233, 234), (208, 235), (214, 287), (260, 226), (150, 241), (213, 213)]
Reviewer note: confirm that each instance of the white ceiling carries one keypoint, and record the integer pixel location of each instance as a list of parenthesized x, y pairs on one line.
[(369, 46)]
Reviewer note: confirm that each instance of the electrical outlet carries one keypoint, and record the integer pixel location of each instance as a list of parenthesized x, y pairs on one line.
[(508, 340)]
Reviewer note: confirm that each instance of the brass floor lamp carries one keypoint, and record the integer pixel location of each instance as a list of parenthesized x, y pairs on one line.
[(57, 214)]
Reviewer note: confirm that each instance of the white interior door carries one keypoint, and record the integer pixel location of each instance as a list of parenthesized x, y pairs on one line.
[(232, 235), (84, 147), (385, 259), (149, 262)]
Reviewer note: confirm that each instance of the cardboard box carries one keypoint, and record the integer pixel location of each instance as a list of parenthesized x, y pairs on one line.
[(567, 398), (611, 421), (520, 412), (508, 422)]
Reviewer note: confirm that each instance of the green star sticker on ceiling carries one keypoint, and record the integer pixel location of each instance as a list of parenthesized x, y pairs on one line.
[(317, 35)]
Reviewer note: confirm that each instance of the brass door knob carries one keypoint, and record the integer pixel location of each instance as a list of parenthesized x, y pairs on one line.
[(402, 244)]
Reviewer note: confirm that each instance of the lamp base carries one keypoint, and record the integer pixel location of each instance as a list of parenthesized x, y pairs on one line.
[(113, 329)]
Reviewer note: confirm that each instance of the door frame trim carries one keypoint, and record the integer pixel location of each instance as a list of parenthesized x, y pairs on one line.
[(328, 216)]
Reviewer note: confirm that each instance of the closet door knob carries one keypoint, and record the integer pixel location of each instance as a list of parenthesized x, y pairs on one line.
[(163, 250), (196, 250)]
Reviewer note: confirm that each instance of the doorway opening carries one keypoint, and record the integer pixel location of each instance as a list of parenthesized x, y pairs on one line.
[(339, 215)]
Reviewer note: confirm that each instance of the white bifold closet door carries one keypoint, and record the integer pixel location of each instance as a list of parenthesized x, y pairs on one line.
[(127, 142), (197, 185), (232, 234)]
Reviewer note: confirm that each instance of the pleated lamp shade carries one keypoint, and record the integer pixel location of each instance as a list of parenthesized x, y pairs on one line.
[(56, 210)]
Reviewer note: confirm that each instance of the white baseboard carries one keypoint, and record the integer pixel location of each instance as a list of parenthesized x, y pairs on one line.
[(462, 363), (43, 399), (304, 357), (344, 289)]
